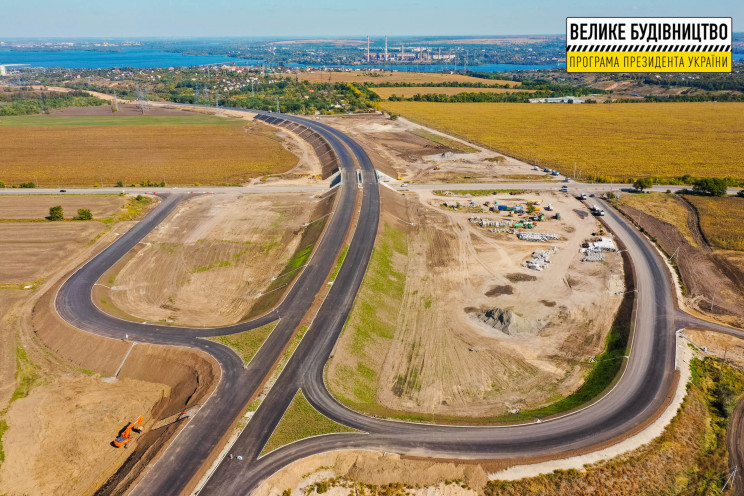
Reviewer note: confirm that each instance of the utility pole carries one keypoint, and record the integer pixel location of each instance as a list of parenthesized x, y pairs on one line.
[(277, 105), (574, 171), (730, 479)]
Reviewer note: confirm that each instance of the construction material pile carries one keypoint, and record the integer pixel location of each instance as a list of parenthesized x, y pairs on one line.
[(533, 236), (540, 259), (490, 222)]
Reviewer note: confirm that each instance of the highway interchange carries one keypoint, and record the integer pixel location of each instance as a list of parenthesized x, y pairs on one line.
[(646, 381)]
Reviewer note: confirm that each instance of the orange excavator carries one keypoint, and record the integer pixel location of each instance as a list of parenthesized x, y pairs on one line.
[(125, 436)]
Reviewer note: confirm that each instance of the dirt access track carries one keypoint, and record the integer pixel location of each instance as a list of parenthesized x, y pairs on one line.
[(209, 261), (400, 148), (704, 271), (428, 354)]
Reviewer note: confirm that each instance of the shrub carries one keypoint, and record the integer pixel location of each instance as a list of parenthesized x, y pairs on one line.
[(29, 184), (83, 214), (641, 184), (713, 186), (2, 184), (56, 213)]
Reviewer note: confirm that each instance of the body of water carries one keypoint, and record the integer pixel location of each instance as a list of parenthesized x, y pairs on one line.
[(149, 58), (124, 57)]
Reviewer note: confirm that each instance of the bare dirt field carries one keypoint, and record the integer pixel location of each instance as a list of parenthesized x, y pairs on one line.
[(704, 271), (30, 252), (403, 149), (37, 206), (210, 260), (421, 307), (381, 77), (41, 456)]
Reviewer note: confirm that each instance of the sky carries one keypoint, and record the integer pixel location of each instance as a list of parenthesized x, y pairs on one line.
[(328, 18)]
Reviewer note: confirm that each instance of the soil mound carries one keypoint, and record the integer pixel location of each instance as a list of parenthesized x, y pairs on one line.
[(504, 321)]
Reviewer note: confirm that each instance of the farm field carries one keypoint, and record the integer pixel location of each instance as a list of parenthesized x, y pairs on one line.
[(382, 77), (37, 206), (90, 150), (410, 91), (621, 140), (722, 220)]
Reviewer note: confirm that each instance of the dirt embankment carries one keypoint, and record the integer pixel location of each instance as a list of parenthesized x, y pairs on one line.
[(188, 377), (371, 468), (704, 273)]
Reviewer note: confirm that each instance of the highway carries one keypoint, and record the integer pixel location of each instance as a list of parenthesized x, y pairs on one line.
[(646, 380)]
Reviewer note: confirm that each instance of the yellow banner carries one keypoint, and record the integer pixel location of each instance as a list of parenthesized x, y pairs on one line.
[(648, 61)]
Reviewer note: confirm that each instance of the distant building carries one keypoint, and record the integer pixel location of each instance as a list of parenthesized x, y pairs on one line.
[(3, 71), (562, 99)]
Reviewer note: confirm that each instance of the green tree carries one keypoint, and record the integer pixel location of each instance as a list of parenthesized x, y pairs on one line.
[(641, 184), (713, 186), (29, 184), (83, 214), (2, 184), (56, 213)]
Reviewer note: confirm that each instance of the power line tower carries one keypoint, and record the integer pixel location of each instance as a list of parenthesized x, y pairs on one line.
[(143, 103)]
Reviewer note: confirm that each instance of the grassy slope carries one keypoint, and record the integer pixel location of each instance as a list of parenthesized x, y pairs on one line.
[(690, 457), (371, 324), (621, 140), (246, 344), (301, 420)]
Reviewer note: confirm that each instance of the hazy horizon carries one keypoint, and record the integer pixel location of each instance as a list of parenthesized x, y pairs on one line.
[(297, 19)]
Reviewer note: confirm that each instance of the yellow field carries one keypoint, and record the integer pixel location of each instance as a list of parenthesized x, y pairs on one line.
[(410, 91), (620, 140), (722, 220), (381, 77), (181, 154)]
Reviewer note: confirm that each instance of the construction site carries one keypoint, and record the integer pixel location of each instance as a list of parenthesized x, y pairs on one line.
[(517, 315)]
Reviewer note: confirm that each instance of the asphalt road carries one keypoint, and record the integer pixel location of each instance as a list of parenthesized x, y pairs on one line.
[(642, 389)]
